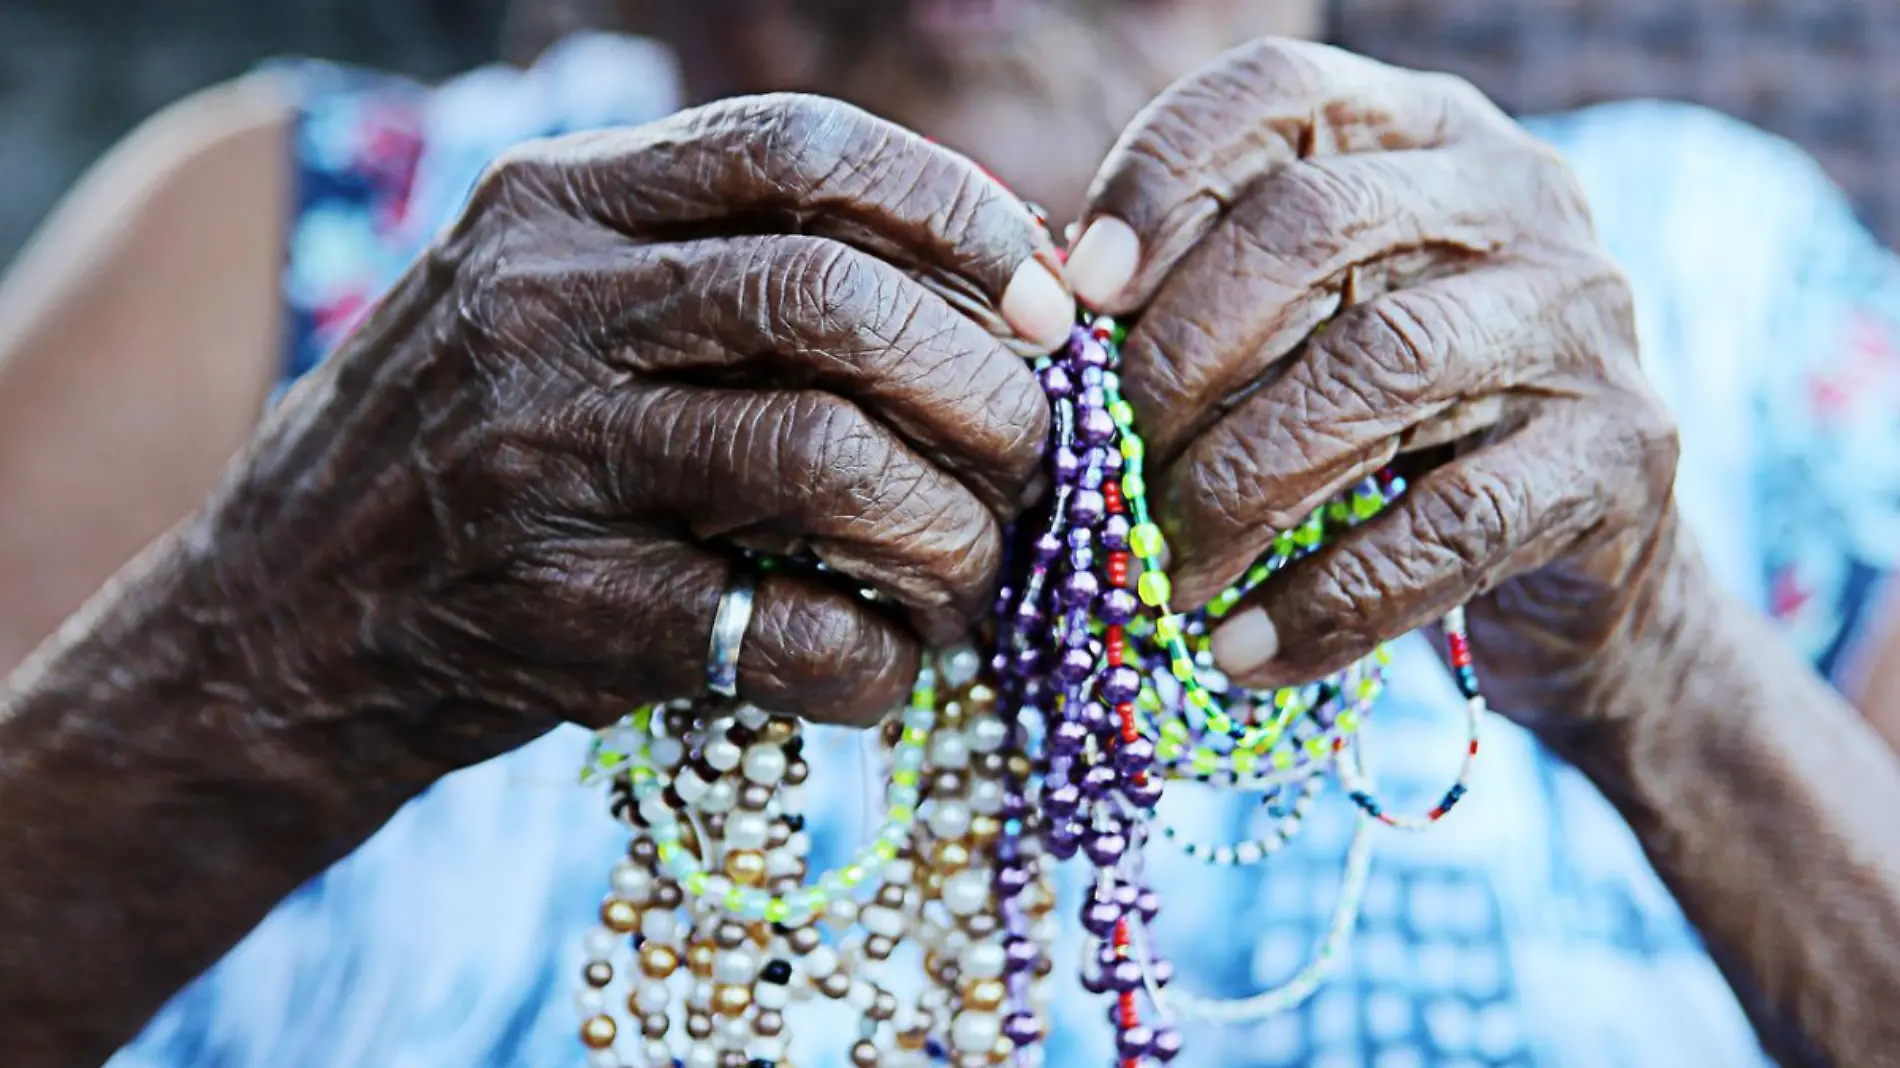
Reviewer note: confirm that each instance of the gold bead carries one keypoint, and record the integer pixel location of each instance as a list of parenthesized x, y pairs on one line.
[(699, 959), (984, 828), (778, 730), (598, 1032), (984, 995), (658, 962), (952, 856), (1003, 1051), (731, 999), (745, 867), (620, 916)]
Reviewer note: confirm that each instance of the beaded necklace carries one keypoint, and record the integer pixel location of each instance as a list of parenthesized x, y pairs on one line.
[(1056, 744)]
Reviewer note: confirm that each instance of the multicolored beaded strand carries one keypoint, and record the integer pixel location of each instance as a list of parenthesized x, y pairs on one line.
[(1094, 693)]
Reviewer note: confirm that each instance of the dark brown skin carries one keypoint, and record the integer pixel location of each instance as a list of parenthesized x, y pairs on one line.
[(511, 501), (1471, 306)]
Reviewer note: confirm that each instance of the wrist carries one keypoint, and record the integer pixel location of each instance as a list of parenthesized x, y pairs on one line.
[(1677, 630)]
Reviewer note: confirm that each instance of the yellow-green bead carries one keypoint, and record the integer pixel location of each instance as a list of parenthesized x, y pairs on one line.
[(1122, 412), (1282, 760), (695, 883), (1200, 698), (1167, 750), (1220, 723), (1168, 628), (1183, 668), (1145, 539), (1134, 487), (776, 910), (1174, 730), (1155, 589), (1245, 762), (851, 876), (1132, 448), (1203, 761)]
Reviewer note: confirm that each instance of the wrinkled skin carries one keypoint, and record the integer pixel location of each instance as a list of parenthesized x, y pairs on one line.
[(1470, 310), (638, 351)]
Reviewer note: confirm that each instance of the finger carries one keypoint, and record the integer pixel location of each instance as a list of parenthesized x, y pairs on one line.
[(788, 163), (634, 619), (1384, 375), (808, 313), (1188, 157), (780, 471), (1285, 260), (1459, 532)]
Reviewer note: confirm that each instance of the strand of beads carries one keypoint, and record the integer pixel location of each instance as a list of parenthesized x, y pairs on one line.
[(1096, 691), (1458, 642)]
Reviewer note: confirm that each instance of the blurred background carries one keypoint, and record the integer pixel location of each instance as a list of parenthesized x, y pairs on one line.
[(77, 74)]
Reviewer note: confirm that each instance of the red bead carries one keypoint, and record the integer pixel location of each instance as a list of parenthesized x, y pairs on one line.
[(1112, 494), (1116, 645), (1121, 935), (1460, 650), (1118, 568)]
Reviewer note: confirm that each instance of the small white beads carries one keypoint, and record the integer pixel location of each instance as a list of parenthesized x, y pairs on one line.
[(765, 764)]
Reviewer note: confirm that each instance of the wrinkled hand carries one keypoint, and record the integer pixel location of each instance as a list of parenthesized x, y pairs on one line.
[(1471, 320), (519, 491)]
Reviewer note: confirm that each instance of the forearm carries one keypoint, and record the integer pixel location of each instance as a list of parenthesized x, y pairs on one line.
[(1767, 805), (157, 802)]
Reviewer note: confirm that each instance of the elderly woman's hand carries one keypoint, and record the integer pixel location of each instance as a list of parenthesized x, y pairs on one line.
[(774, 324), (1337, 263)]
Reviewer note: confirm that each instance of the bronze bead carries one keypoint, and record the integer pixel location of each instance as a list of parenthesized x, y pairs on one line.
[(654, 1024), (731, 999), (699, 959), (951, 856), (754, 796), (599, 1032), (883, 1007), (768, 1024), (729, 935), (619, 916), (796, 773), (667, 895), (984, 828), (804, 939), (980, 924), (984, 995), (864, 1054), (657, 961), (732, 1059), (598, 973), (878, 947), (745, 867), (716, 824), (642, 852), (891, 896), (834, 986), (777, 835), (699, 1026)]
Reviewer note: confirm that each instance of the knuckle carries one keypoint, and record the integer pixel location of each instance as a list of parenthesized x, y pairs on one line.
[(803, 143), (1480, 516), (1394, 349)]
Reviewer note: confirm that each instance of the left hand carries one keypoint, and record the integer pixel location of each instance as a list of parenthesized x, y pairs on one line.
[(1470, 316)]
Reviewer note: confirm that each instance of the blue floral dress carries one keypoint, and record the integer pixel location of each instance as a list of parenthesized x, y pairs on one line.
[(1528, 930)]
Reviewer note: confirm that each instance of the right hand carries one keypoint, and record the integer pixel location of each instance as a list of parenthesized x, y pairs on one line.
[(513, 498)]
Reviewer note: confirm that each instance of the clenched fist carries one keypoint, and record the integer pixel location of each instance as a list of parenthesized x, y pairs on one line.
[(1338, 263), (515, 497)]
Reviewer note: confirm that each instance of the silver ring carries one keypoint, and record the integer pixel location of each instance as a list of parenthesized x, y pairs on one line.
[(735, 614)]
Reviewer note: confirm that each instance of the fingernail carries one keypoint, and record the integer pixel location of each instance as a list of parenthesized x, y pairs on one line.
[(1245, 643), (1038, 306), (1103, 261)]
